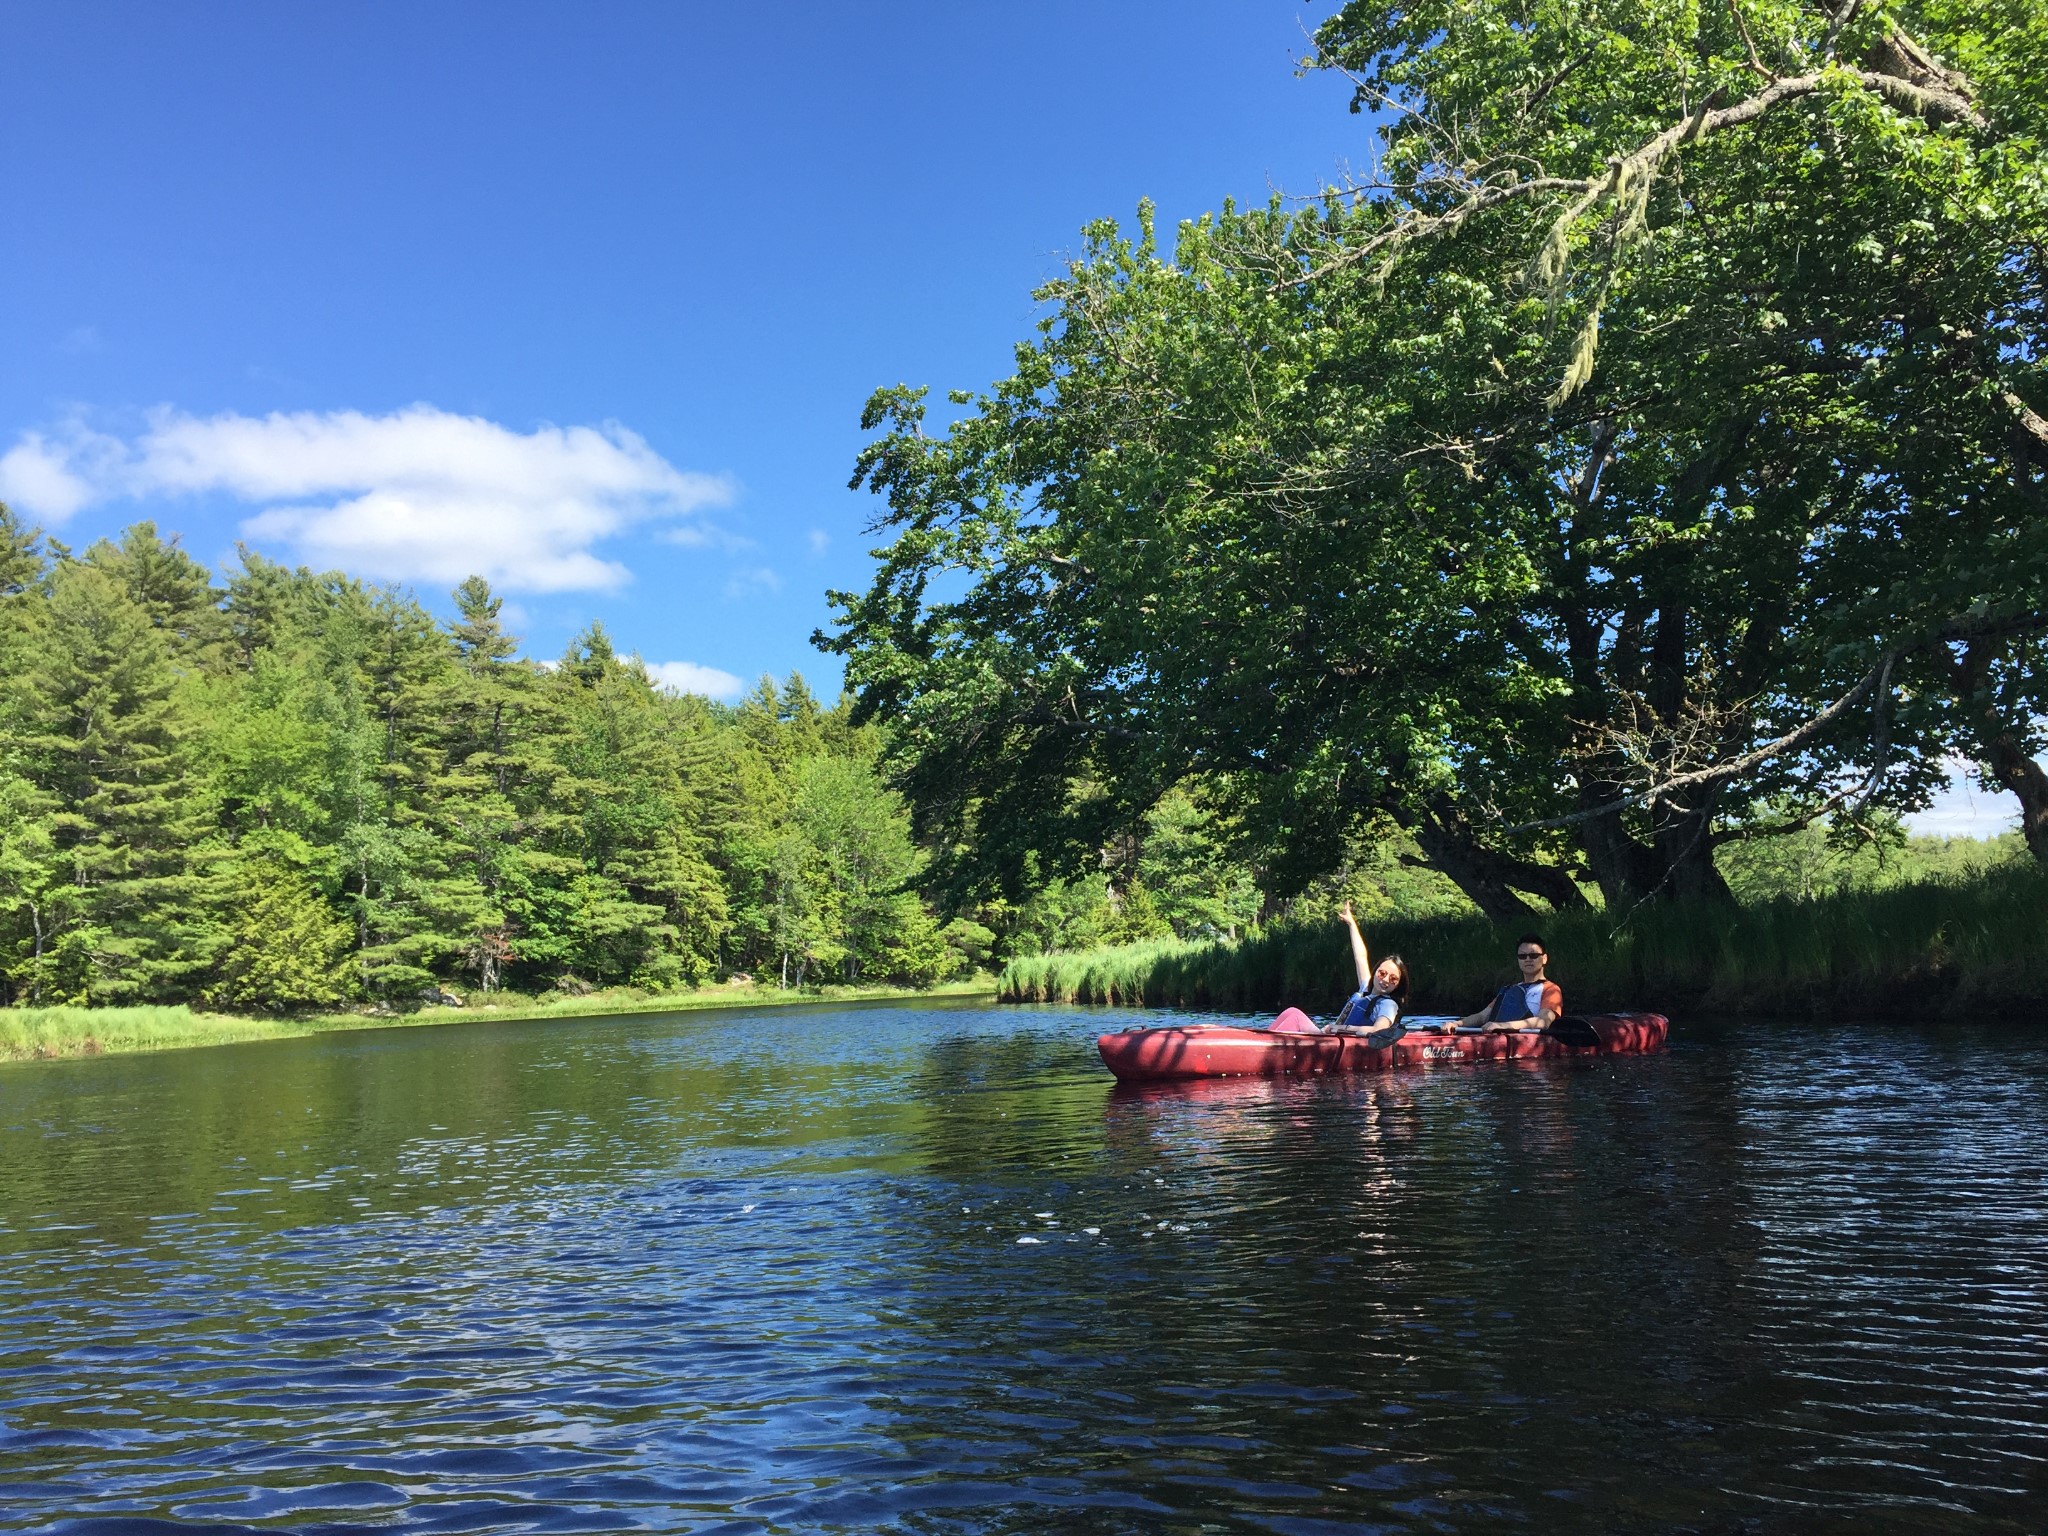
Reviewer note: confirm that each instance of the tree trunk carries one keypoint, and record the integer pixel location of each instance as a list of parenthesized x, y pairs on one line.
[(1459, 863), (1490, 878), (1621, 866), (2004, 751), (1685, 854), (1677, 863), (2015, 770)]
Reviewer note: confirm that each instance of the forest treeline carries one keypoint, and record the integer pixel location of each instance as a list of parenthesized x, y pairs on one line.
[(296, 790)]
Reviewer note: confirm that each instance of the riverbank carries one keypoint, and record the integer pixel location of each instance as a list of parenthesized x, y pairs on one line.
[(1936, 949), (48, 1033)]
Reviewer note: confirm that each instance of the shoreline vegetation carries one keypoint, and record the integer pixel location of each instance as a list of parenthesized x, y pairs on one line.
[(1931, 949), (297, 794), (44, 1034)]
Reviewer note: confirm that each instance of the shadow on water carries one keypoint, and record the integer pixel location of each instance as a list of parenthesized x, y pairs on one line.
[(930, 1270)]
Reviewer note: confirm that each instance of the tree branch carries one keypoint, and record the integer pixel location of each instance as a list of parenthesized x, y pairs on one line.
[(1878, 679), (1756, 65), (1937, 95), (1845, 13), (2034, 423)]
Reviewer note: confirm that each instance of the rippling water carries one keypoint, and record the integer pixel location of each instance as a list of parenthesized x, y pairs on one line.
[(928, 1270)]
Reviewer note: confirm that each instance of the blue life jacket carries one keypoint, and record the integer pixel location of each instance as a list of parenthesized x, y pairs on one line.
[(1365, 1011), (1518, 1000)]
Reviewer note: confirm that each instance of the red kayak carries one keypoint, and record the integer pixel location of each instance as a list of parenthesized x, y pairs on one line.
[(1291, 1047)]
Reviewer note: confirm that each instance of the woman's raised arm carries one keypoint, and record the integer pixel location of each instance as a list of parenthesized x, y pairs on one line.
[(1359, 957)]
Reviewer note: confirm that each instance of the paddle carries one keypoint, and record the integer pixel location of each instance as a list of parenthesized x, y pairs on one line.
[(1567, 1030)]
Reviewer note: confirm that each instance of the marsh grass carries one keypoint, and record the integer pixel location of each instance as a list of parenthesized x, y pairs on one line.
[(44, 1033), (1938, 948)]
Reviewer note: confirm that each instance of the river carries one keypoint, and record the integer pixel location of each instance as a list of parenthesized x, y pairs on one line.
[(928, 1270)]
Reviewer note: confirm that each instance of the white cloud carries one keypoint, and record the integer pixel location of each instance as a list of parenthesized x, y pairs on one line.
[(36, 477), (708, 535), (758, 578), (688, 677), (820, 541), (420, 494)]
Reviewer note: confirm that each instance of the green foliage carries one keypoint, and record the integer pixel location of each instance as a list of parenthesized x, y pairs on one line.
[(1925, 949), (1813, 863), (301, 792), (1188, 874), (1678, 376), (1058, 915), (1383, 875), (287, 948), (103, 738)]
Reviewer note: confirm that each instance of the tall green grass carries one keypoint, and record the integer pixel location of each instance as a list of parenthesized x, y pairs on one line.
[(35, 1032), (1939, 948), (41, 1033)]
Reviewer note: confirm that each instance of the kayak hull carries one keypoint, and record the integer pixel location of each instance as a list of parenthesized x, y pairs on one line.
[(1182, 1051)]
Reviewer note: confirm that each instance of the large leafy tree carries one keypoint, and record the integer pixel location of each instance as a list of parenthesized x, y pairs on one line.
[(1583, 490)]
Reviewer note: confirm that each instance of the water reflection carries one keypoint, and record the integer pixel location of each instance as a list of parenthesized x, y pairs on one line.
[(931, 1270)]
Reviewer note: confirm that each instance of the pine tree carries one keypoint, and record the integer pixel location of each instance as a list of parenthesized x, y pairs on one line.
[(639, 822), (21, 560), (171, 587), (262, 603), (289, 948), (29, 872), (107, 746), (480, 641), (495, 799)]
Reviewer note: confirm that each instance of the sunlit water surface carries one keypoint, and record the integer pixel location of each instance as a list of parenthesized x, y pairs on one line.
[(928, 1270)]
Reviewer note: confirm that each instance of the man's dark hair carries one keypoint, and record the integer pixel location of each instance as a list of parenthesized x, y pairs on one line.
[(1533, 938)]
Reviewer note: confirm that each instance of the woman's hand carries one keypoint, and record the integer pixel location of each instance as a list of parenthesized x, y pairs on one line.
[(1360, 960)]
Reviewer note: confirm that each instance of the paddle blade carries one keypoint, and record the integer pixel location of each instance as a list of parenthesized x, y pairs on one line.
[(1567, 1030)]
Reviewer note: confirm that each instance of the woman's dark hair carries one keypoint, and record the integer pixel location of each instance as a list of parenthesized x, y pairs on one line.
[(1400, 992), (1533, 938)]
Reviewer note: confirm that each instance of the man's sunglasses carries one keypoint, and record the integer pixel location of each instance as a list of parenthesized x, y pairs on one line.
[(1528, 954)]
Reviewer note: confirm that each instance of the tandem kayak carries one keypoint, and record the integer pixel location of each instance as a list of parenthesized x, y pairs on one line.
[(1290, 1048)]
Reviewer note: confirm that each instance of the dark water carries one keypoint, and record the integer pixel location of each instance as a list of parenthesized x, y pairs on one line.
[(928, 1271)]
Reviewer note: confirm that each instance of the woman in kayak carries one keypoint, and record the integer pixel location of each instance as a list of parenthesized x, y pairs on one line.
[(1375, 1008)]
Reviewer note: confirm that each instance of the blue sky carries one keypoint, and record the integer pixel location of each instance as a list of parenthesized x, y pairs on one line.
[(584, 297), (438, 240)]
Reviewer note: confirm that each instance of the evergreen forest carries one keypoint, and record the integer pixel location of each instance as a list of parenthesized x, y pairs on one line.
[(297, 791)]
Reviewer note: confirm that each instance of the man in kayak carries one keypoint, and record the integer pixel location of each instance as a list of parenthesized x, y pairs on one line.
[(1374, 1010), (1534, 1002)]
